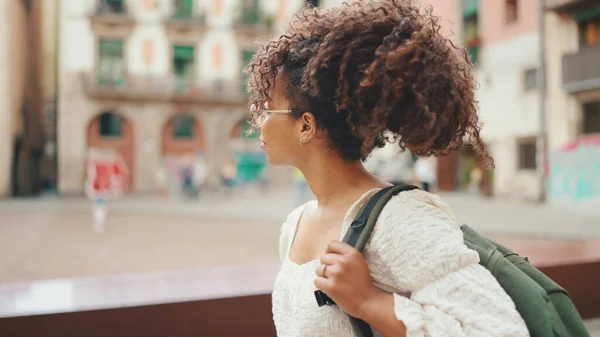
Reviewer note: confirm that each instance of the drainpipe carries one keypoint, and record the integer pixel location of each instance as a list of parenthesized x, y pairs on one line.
[(542, 143)]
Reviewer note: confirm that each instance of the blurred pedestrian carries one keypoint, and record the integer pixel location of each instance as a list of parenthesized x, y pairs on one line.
[(99, 214)]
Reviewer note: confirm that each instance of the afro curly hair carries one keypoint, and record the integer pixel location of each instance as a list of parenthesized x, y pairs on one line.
[(371, 72)]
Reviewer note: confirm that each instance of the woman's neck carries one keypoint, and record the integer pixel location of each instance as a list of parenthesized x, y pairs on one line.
[(336, 182)]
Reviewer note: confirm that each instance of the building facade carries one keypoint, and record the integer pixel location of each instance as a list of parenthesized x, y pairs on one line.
[(502, 39), (573, 80), (157, 82)]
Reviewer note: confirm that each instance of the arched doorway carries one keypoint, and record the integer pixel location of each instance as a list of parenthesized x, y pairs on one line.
[(112, 132), (183, 166)]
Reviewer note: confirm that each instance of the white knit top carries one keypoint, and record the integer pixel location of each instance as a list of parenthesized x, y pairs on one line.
[(416, 248)]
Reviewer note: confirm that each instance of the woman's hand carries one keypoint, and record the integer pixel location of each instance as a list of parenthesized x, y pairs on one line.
[(344, 276)]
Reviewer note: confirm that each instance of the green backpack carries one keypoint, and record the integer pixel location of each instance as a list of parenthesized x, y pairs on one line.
[(544, 305)]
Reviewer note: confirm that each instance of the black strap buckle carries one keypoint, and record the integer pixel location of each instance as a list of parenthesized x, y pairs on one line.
[(323, 299)]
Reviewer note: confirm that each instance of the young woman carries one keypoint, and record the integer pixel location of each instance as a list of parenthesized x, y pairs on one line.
[(338, 83)]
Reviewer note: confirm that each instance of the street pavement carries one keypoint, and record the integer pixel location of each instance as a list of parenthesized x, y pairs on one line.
[(494, 216)]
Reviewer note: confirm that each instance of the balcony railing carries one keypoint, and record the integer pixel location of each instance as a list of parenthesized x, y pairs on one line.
[(253, 21), (108, 13), (161, 88), (185, 20), (581, 71)]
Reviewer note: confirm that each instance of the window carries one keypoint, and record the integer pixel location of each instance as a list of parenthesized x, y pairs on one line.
[(111, 6), (183, 66), (531, 79), (246, 57), (183, 127), (470, 25), (527, 154), (591, 118), (111, 125), (250, 11), (470, 8), (183, 9), (589, 32), (110, 63), (511, 13)]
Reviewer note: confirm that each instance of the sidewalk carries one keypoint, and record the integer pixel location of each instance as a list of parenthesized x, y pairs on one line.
[(496, 216)]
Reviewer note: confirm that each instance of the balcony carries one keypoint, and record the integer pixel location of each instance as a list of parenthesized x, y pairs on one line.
[(185, 21), (111, 13), (581, 70), (252, 22), (162, 89)]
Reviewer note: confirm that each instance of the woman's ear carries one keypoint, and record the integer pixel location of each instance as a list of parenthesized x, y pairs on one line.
[(307, 126)]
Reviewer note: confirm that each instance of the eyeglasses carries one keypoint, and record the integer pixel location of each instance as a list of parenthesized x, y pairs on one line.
[(267, 110)]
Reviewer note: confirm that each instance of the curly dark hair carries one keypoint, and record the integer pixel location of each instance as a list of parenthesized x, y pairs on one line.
[(370, 72)]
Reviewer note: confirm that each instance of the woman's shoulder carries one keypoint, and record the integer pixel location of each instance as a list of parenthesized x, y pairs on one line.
[(292, 219), (417, 213), (417, 203)]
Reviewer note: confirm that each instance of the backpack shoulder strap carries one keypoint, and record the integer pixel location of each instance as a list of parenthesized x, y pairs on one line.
[(360, 230)]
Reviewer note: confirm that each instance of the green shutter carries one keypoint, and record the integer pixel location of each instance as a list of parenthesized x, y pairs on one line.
[(474, 53), (184, 53), (246, 57), (111, 47), (183, 9), (470, 8), (587, 14), (251, 11)]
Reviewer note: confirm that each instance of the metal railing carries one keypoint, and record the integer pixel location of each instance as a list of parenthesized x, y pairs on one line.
[(162, 88)]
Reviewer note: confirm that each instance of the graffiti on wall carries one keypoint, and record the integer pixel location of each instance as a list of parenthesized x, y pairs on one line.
[(575, 170)]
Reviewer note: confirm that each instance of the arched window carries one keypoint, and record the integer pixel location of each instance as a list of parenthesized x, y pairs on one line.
[(111, 125), (183, 127)]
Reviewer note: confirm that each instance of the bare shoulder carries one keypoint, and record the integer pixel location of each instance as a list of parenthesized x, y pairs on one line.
[(294, 216)]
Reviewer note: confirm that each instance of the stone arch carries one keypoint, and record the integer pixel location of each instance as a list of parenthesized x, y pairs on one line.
[(112, 131)]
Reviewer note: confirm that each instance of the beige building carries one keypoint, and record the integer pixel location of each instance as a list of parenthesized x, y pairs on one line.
[(502, 38), (157, 83), (573, 80)]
